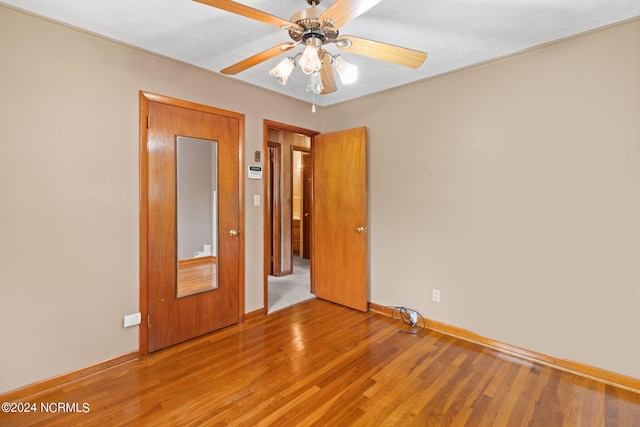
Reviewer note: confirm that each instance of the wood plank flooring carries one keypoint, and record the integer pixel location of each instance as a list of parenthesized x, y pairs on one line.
[(320, 364)]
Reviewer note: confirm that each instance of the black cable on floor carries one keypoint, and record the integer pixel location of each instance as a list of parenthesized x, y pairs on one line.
[(405, 314)]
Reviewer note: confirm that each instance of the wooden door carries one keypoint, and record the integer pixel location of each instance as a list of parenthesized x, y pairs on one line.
[(339, 254), (274, 197), (171, 319), (307, 200)]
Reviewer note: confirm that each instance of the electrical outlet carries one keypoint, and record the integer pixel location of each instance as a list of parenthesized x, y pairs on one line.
[(132, 319), (436, 295)]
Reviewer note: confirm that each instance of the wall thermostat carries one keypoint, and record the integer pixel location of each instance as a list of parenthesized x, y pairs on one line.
[(255, 172)]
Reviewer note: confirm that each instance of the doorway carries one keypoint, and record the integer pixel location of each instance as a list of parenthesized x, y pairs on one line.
[(337, 216), (191, 220), (287, 266)]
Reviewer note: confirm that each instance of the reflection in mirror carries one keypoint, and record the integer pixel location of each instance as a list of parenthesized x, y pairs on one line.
[(197, 215)]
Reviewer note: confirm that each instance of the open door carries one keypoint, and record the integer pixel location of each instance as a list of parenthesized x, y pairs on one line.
[(274, 200), (339, 212), (307, 202)]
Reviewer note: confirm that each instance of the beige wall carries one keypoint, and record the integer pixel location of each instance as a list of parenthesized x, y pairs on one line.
[(69, 189), (520, 198)]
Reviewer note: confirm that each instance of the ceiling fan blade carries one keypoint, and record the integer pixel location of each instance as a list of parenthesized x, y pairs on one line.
[(344, 11), (327, 75), (258, 58), (249, 12), (383, 51)]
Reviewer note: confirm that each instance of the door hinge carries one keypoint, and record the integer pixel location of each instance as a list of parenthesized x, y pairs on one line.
[(148, 122), (148, 320)]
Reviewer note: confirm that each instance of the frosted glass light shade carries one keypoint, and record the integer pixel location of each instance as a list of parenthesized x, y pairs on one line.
[(315, 83), (310, 61), (283, 70), (348, 72)]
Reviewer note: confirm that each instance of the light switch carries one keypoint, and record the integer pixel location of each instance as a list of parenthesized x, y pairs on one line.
[(256, 200)]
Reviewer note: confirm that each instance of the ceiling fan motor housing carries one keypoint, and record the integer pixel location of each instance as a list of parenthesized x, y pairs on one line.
[(309, 20)]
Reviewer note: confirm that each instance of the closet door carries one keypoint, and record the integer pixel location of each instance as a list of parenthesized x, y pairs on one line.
[(192, 290)]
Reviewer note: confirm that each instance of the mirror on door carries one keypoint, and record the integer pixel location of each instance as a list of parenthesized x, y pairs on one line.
[(197, 215)]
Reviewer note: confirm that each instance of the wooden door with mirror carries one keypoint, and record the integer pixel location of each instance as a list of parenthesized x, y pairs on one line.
[(191, 220)]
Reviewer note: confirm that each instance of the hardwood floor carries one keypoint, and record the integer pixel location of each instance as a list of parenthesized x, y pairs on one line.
[(317, 363)]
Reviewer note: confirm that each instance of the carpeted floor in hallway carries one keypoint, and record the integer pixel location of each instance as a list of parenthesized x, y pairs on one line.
[(285, 291)]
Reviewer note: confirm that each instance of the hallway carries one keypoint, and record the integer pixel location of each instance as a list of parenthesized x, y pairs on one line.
[(285, 291)]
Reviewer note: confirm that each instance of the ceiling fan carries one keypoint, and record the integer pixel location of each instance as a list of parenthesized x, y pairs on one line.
[(314, 28)]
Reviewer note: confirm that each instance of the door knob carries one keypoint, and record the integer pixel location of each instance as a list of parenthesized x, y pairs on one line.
[(233, 232), (361, 229), (306, 214)]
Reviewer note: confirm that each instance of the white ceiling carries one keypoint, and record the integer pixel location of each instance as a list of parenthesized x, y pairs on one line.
[(455, 33)]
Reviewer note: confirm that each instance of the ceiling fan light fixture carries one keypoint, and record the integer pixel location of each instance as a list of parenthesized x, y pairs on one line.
[(283, 70), (312, 28), (310, 61), (347, 71)]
